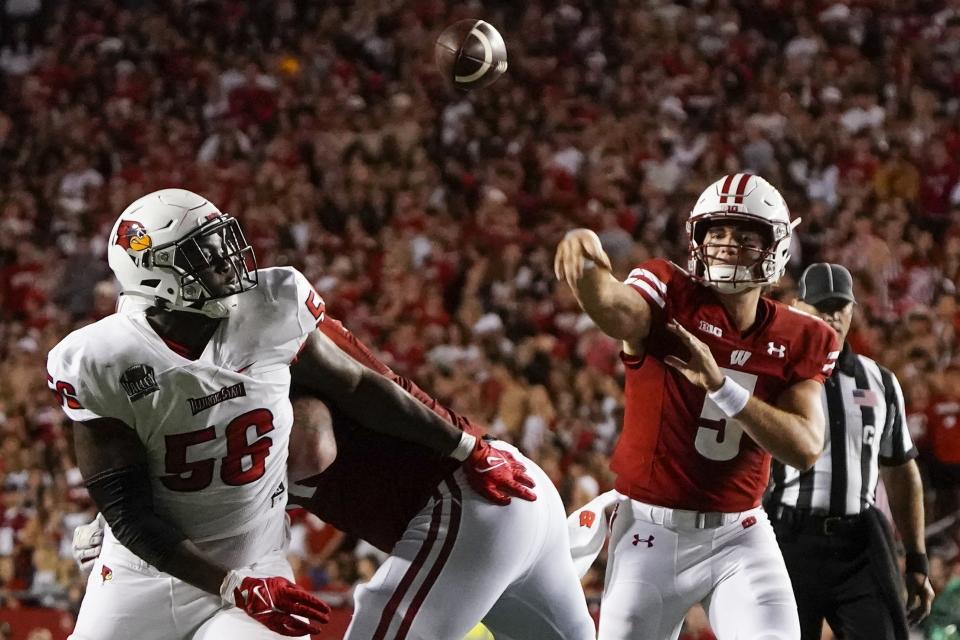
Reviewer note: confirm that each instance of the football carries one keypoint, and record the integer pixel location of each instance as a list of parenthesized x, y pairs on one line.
[(470, 54)]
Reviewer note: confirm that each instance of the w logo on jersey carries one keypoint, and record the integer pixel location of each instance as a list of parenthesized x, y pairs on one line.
[(739, 357), (587, 518)]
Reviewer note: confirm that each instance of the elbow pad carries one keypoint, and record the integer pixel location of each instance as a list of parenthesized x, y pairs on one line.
[(125, 498)]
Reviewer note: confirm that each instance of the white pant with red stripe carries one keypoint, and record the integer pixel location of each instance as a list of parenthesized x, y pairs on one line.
[(659, 565), (463, 559)]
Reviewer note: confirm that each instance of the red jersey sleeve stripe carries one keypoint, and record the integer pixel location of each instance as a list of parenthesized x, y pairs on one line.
[(648, 292), (648, 285), (652, 278)]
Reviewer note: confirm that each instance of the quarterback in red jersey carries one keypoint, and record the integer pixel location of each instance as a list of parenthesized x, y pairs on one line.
[(718, 379)]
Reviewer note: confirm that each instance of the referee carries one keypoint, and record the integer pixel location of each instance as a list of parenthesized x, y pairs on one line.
[(837, 546)]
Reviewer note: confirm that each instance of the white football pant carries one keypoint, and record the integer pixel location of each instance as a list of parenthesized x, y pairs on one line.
[(659, 565), (463, 559), (128, 598)]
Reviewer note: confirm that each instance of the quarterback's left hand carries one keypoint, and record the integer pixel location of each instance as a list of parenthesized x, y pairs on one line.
[(496, 475), (919, 596), (701, 369)]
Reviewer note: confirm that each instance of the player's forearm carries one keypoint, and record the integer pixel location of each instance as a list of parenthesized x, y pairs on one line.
[(368, 397), (349, 344), (788, 437), (191, 565), (380, 405), (598, 295), (905, 491), (124, 497)]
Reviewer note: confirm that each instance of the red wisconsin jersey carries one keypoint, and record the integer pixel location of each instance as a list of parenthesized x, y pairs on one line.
[(677, 448), (377, 483)]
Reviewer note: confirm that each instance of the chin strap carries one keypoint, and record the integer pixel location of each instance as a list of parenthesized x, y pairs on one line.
[(130, 301)]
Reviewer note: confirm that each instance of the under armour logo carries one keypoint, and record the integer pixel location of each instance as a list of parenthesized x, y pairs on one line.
[(637, 540), (778, 350)]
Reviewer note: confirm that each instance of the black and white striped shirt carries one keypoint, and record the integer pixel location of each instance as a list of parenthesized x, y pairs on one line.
[(866, 427)]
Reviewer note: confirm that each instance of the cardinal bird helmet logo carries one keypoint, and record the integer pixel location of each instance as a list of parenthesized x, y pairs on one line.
[(132, 235)]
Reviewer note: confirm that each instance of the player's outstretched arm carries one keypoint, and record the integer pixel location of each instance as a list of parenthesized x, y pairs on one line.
[(371, 399), (113, 463), (353, 347), (582, 263), (791, 430), (380, 405)]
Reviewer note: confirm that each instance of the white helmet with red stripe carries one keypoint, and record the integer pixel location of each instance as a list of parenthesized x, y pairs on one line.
[(745, 199)]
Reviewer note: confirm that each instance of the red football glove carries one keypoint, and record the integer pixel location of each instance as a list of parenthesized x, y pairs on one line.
[(496, 475), (274, 602)]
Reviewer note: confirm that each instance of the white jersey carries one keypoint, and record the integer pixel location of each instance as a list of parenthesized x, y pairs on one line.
[(215, 429)]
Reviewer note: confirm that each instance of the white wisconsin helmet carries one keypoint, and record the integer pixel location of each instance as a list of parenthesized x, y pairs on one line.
[(750, 199), (163, 246)]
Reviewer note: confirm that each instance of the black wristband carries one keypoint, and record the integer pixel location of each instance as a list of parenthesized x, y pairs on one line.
[(917, 563)]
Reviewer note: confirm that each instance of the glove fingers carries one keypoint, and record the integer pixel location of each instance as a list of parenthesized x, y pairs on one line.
[(301, 628), (88, 554), (520, 475), (521, 491), (311, 612), (491, 493), (287, 625), (297, 596)]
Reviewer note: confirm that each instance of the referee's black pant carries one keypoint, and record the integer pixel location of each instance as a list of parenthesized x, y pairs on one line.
[(843, 571)]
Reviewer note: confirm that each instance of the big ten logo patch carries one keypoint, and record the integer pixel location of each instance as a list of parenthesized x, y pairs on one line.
[(587, 518)]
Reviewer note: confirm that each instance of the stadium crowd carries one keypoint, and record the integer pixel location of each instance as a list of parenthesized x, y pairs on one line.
[(428, 219)]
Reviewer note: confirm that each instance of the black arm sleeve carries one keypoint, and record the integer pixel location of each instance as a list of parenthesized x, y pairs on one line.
[(125, 498)]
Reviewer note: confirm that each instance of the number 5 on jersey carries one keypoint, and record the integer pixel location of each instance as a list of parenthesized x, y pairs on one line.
[(718, 437), (187, 475)]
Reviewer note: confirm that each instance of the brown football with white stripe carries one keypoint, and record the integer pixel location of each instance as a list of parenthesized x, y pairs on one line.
[(470, 54)]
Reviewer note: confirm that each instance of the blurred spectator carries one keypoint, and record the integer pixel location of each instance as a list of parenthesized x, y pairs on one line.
[(428, 218)]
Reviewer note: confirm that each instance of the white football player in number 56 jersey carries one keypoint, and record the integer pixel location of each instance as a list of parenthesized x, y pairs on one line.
[(182, 420)]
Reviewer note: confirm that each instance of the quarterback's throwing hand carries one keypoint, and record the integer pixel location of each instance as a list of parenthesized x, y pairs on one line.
[(274, 602), (496, 475), (577, 247), (701, 369)]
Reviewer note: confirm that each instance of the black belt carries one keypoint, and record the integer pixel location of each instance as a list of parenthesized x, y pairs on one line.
[(806, 521)]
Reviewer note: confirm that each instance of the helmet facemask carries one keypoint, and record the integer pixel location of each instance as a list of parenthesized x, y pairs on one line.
[(754, 267), (213, 265)]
